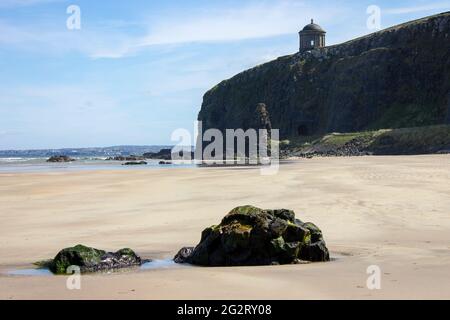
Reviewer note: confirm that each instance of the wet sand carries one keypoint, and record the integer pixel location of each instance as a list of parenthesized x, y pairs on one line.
[(393, 212)]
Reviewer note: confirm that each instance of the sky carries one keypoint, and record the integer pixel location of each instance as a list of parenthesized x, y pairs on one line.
[(135, 71)]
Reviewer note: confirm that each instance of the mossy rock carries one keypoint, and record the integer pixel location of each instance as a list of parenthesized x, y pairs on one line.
[(249, 235), (235, 237), (315, 252), (316, 233), (284, 214), (295, 233), (89, 259), (44, 264), (244, 214), (79, 255)]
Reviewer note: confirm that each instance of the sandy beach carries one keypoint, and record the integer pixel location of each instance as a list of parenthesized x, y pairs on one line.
[(393, 212)]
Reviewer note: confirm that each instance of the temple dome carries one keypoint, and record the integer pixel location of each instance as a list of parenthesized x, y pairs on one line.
[(313, 27)]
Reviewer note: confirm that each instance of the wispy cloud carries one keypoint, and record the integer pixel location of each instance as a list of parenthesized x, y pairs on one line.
[(257, 20), (248, 21), (92, 42), (418, 8), (24, 3)]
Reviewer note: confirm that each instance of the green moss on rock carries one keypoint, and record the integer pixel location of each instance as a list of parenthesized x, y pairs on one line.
[(249, 235), (89, 259), (79, 255)]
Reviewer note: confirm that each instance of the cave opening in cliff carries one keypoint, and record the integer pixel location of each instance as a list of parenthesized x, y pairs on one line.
[(302, 130)]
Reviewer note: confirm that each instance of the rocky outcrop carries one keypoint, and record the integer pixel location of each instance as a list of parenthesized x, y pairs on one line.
[(262, 118), (93, 260), (404, 141), (163, 154), (135, 163), (126, 158), (398, 77), (167, 155), (60, 159), (252, 236)]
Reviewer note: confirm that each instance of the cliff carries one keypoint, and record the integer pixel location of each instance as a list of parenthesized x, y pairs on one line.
[(397, 77)]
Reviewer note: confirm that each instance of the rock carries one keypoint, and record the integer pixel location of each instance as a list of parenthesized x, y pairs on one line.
[(298, 261), (315, 252), (252, 236), (165, 162), (135, 163), (183, 255), (60, 159), (403, 141), (93, 260), (163, 154), (262, 120), (166, 154), (126, 158)]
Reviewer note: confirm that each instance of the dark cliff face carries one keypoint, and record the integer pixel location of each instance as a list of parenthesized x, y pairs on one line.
[(398, 77)]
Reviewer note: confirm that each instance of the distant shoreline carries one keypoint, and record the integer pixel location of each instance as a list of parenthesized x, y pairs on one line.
[(83, 152)]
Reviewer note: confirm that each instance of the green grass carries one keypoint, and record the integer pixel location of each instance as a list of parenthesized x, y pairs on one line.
[(427, 139), (417, 140), (340, 139), (401, 116)]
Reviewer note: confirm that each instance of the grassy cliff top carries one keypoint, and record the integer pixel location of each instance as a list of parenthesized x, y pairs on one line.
[(418, 140)]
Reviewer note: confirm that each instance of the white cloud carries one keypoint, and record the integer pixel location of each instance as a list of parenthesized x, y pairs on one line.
[(111, 39), (250, 21)]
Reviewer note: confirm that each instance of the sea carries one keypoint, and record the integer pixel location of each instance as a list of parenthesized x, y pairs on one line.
[(40, 164)]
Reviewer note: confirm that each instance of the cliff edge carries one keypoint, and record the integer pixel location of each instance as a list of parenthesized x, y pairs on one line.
[(397, 77)]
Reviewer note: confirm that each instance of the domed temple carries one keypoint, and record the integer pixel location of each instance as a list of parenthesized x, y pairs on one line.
[(312, 36)]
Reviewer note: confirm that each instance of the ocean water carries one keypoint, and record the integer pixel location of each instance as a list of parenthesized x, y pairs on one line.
[(152, 265), (159, 264), (30, 272), (19, 165)]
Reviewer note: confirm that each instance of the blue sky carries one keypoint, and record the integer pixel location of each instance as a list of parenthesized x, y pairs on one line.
[(137, 70)]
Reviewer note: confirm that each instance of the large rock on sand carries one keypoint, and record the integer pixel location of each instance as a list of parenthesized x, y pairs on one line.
[(253, 236), (92, 260)]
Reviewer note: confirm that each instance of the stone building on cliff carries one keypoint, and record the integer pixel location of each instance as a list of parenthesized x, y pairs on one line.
[(312, 36)]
